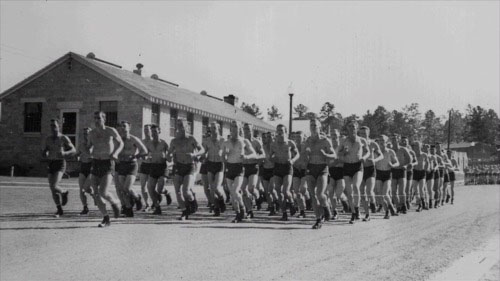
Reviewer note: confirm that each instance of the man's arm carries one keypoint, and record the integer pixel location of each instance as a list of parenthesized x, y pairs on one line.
[(119, 141), (68, 143), (143, 151), (249, 148), (294, 150), (45, 149), (366, 149), (200, 150), (376, 149), (394, 159), (330, 152), (261, 154)]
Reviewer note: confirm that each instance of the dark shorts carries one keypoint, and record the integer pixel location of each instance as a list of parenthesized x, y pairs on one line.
[(251, 169), (282, 170), (383, 176), (55, 166), (409, 175), (101, 168), (214, 167), (298, 173), (441, 173), (145, 168), (446, 177), (418, 175), (452, 175), (157, 170), (183, 170), (350, 169), (317, 170), (85, 168), (266, 173), (336, 173), (127, 168), (429, 175), (203, 169), (234, 170), (368, 172), (398, 174)]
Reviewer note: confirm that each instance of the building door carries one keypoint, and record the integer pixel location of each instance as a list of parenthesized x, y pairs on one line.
[(69, 120)]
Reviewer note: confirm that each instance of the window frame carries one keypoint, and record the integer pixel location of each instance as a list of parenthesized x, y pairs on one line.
[(110, 113)]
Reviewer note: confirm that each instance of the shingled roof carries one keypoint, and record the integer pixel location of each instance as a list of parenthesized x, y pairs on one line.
[(158, 92)]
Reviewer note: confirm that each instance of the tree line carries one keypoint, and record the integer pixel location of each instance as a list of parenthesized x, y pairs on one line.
[(475, 124)]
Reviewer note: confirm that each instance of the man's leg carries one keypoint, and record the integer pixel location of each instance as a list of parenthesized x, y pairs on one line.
[(394, 192), (296, 182), (364, 198), (83, 184), (104, 183), (386, 187), (251, 191), (402, 194), (356, 182), (57, 193), (152, 181), (187, 194), (238, 204), (452, 190), (322, 205), (370, 192), (206, 189), (287, 197), (143, 178)]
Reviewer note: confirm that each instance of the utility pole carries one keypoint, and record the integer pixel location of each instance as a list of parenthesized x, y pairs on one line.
[(449, 128), (290, 123)]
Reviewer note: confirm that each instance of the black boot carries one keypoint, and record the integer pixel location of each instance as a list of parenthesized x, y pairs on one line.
[(327, 214), (356, 213), (393, 212), (345, 206), (284, 217), (373, 208)]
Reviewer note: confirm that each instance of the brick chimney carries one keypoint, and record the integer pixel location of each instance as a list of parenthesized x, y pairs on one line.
[(138, 71), (231, 99)]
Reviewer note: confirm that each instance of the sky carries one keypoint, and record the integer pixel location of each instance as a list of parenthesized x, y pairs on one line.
[(356, 55)]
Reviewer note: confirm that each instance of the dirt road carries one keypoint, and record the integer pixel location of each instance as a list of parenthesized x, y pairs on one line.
[(35, 246)]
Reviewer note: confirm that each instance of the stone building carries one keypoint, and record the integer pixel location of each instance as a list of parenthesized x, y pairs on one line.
[(73, 87)]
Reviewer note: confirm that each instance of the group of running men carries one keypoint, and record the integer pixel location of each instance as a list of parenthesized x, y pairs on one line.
[(482, 174), (291, 175)]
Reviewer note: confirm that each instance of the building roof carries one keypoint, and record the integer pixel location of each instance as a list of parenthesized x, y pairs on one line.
[(157, 92), (462, 145)]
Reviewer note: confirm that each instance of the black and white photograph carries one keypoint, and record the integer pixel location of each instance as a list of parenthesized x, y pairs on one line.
[(250, 140)]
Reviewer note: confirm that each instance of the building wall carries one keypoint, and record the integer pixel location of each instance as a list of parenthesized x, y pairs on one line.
[(78, 88)]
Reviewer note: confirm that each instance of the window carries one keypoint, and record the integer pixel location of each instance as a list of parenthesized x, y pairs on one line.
[(111, 110), (173, 121), (190, 128), (204, 127), (33, 117), (155, 114)]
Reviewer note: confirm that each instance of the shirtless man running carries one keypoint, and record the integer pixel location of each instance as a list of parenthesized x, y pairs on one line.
[(368, 182), (56, 147), (127, 167), (384, 167), (185, 151), (85, 165), (235, 150), (299, 180), (157, 159), (267, 173), (319, 152), (249, 187), (399, 174), (104, 154), (451, 177), (284, 153), (215, 167), (419, 175), (336, 171), (353, 151), (145, 167)]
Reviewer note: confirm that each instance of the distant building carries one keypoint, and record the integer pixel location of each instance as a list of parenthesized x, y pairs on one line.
[(477, 152), (73, 87)]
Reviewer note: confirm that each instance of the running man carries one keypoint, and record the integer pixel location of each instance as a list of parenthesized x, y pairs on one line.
[(443, 172), (336, 171), (418, 180), (204, 174), (235, 150), (299, 180), (368, 182), (409, 172), (451, 177), (249, 188), (435, 187), (399, 174), (127, 167), (157, 159), (383, 182), (145, 167), (55, 149), (104, 154), (215, 167), (284, 153), (185, 151), (266, 175), (353, 151), (319, 151), (85, 165)]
